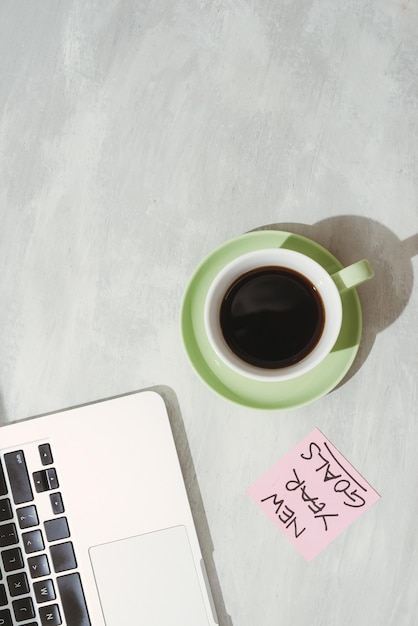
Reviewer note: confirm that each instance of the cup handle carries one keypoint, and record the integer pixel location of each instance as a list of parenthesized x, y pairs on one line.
[(353, 275)]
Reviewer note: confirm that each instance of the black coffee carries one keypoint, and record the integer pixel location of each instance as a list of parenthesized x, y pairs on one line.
[(272, 317)]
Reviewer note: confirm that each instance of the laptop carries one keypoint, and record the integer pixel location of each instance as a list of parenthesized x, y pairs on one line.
[(95, 524)]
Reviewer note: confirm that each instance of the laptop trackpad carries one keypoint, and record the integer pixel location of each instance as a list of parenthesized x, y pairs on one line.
[(149, 579)]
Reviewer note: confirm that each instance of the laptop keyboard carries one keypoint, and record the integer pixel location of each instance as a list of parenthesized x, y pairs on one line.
[(39, 581)]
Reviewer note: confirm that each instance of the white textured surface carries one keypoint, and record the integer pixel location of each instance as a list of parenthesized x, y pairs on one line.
[(137, 136)]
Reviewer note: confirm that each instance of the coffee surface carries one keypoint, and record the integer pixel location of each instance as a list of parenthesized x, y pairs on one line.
[(272, 317)]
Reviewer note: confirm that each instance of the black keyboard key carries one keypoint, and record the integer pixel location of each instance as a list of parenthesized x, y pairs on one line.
[(50, 615), (63, 557), (57, 504), (18, 476), (44, 591), (73, 601), (57, 529), (33, 541), (5, 510), (5, 618), (12, 559), (8, 535), (39, 566), (3, 485), (23, 609), (27, 516), (3, 595), (18, 584), (45, 454), (46, 480)]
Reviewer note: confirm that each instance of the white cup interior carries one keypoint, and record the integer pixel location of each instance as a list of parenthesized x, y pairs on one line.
[(297, 262)]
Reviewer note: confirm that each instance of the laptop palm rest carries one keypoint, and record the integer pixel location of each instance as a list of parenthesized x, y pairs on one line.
[(149, 579)]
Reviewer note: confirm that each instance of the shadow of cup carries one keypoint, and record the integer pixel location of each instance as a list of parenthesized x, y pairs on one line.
[(383, 298)]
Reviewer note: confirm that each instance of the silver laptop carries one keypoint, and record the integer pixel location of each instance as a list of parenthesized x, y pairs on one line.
[(95, 524)]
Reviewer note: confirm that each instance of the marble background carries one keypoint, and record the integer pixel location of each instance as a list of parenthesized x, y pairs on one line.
[(135, 137)]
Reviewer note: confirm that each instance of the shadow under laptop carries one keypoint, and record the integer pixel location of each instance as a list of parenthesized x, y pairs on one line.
[(195, 498), (351, 238)]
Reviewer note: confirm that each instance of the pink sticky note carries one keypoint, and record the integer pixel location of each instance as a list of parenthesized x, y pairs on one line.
[(312, 494)]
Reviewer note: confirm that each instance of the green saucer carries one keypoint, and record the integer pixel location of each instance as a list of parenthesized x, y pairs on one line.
[(253, 393)]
